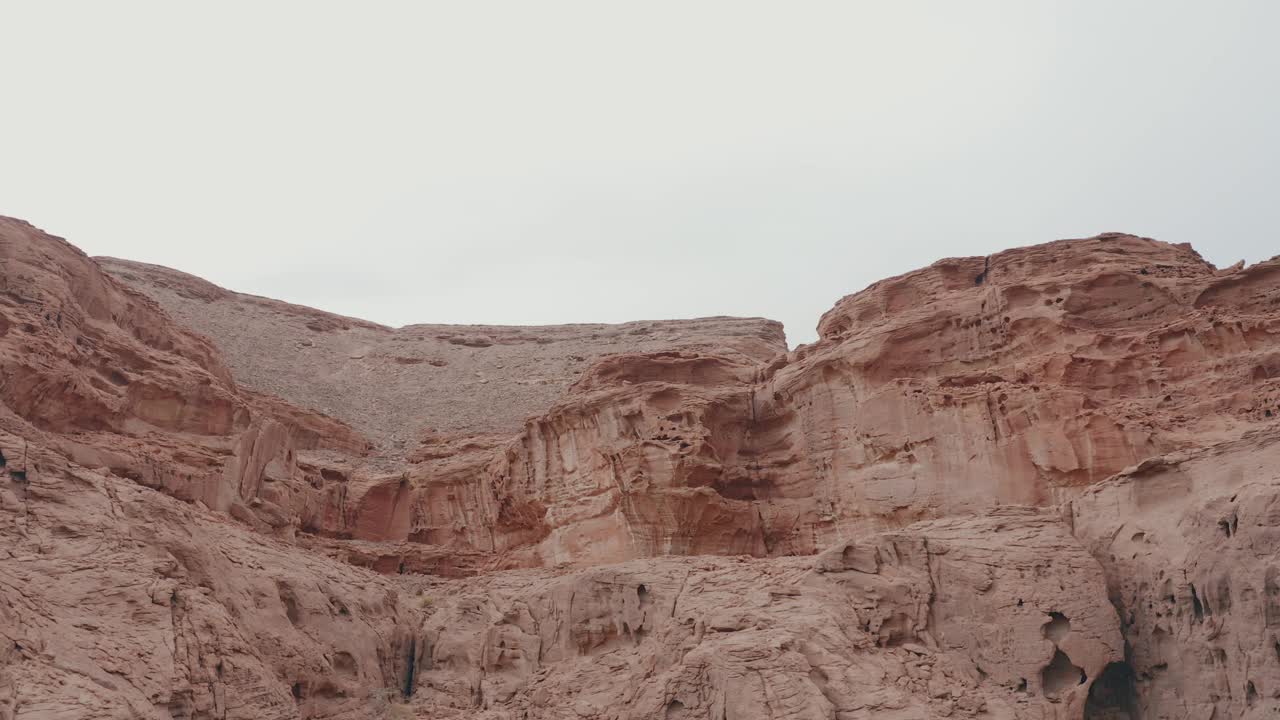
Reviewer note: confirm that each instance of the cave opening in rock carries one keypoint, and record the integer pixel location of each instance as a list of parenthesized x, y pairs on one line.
[(1057, 627), (1113, 695), (1060, 674), (3, 460)]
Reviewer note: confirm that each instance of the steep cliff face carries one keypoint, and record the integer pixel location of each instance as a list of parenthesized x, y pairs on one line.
[(1015, 379), (1033, 485), (83, 354), (103, 375), (1021, 376), (1188, 543)]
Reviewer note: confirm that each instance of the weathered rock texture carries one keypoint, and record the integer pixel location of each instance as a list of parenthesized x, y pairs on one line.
[(1188, 543), (1020, 378), (1033, 485), (394, 383), (958, 617), (120, 602)]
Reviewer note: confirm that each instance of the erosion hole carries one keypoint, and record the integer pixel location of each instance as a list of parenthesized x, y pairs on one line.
[(1113, 695), (290, 605), (3, 460), (332, 475), (1060, 674), (344, 663), (1057, 627)]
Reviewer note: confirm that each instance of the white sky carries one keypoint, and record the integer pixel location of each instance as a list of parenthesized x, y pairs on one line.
[(546, 162)]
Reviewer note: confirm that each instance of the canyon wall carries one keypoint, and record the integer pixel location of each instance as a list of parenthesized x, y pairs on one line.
[(1037, 484), (1021, 378)]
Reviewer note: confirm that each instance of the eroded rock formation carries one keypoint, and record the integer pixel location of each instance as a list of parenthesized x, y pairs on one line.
[(1032, 485), (1016, 379), (1188, 543)]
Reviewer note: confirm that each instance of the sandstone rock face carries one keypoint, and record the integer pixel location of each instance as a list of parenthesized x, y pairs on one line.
[(957, 617), (1033, 485), (1020, 378), (1188, 543), (102, 373), (120, 602), (82, 353)]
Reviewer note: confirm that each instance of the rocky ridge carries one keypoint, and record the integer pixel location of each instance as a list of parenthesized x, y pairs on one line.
[(1036, 484), (393, 384)]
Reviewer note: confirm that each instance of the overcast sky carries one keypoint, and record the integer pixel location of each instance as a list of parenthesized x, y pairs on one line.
[(549, 162)]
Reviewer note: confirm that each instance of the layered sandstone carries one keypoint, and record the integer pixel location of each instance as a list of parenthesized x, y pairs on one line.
[(1021, 378), (1031, 485)]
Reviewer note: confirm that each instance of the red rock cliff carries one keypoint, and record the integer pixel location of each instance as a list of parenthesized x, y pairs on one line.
[(1031, 485)]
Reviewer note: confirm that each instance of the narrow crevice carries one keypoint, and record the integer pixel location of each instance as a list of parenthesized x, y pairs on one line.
[(410, 666), (986, 268), (1197, 608)]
